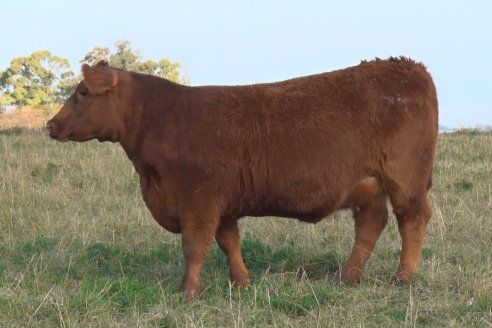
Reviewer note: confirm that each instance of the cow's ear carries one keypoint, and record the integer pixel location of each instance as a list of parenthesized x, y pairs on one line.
[(99, 79), (102, 63)]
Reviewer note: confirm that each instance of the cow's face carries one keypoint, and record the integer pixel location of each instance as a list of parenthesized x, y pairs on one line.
[(92, 112)]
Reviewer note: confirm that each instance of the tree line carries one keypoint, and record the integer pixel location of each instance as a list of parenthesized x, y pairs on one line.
[(44, 78)]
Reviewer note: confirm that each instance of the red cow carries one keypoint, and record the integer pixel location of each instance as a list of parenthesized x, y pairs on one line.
[(303, 148)]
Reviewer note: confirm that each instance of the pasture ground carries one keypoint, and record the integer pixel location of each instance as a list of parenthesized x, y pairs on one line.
[(78, 248)]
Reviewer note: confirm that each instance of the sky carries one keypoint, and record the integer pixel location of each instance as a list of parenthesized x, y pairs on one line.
[(243, 42)]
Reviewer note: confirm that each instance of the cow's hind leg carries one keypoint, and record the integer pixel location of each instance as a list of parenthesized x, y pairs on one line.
[(228, 238), (407, 173), (412, 223), (370, 220)]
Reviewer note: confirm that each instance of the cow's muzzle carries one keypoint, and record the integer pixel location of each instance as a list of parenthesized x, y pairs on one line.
[(54, 131)]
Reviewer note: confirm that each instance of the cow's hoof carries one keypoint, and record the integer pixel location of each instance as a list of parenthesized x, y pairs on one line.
[(189, 295), (350, 276), (402, 277), (239, 282), (189, 289)]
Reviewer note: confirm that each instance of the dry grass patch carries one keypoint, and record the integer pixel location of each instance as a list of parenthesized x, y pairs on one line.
[(27, 117)]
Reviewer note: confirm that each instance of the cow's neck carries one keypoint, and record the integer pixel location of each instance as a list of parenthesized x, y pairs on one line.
[(147, 109), (130, 138)]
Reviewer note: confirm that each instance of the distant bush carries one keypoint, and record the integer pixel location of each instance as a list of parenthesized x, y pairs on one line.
[(27, 117)]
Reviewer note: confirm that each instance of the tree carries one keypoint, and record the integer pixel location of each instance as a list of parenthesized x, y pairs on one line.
[(124, 57), (35, 80), (43, 78), (66, 86), (96, 55)]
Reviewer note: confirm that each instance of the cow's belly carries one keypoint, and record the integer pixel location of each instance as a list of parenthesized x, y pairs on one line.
[(310, 207), (313, 202), (308, 202), (312, 215)]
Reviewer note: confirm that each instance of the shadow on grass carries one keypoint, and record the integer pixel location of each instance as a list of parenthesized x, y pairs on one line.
[(261, 258), (110, 276)]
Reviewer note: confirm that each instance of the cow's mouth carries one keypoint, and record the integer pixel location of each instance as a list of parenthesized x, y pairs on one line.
[(58, 137), (78, 137), (70, 136)]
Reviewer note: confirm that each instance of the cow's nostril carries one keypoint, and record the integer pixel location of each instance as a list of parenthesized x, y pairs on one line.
[(49, 125)]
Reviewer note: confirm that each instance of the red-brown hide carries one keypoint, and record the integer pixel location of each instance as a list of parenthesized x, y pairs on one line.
[(302, 148)]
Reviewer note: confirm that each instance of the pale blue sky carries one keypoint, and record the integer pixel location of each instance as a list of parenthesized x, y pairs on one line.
[(238, 42)]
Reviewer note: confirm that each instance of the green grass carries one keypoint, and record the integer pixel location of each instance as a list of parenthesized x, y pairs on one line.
[(78, 248)]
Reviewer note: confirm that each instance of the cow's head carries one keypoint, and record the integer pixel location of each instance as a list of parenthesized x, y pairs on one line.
[(93, 111)]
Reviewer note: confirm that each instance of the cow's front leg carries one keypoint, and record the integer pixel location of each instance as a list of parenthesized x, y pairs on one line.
[(197, 234), (228, 238)]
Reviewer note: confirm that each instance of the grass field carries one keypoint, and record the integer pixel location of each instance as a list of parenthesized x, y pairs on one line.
[(78, 248)]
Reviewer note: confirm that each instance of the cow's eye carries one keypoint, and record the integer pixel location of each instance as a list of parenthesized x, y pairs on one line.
[(81, 93)]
